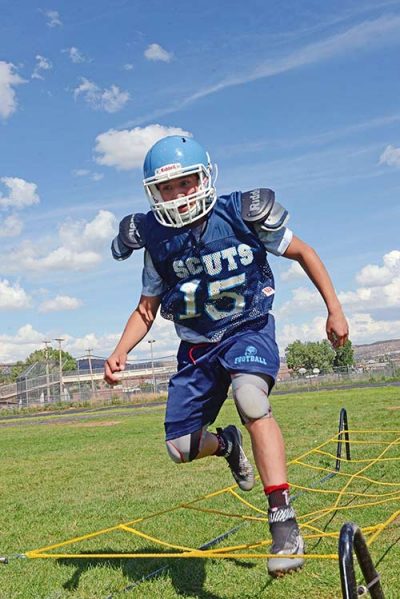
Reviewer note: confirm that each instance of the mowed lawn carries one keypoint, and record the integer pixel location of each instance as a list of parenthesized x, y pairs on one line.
[(65, 476)]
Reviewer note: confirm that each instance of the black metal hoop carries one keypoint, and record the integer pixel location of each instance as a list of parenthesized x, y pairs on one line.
[(342, 432), (351, 537)]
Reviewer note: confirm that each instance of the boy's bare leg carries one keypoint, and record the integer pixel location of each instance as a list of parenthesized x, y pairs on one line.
[(269, 455), (268, 450)]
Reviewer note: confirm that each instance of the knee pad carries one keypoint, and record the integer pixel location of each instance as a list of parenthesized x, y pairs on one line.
[(186, 448), (250, 392)]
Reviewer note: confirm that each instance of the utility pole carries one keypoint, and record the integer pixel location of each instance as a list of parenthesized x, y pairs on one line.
[(60, 340), (46, 355), (151, 341), (89, 355)]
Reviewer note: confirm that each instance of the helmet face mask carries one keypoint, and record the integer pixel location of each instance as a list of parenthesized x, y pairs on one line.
[(173, 158)]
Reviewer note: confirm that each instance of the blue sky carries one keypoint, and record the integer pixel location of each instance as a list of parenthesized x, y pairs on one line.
[(300, 96)]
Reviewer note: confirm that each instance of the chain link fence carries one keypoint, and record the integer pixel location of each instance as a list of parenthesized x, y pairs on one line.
[(41, 385)]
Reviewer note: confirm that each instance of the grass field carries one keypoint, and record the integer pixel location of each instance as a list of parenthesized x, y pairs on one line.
[(67, 475)]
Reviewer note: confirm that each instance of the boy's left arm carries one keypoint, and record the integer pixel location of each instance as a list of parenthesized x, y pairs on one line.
[(337, 328)]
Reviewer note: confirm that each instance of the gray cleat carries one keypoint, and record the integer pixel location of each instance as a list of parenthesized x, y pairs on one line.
[(287, 540), (241, 468)]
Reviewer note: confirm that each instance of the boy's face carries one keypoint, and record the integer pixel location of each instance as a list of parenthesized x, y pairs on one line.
[(179, 188)]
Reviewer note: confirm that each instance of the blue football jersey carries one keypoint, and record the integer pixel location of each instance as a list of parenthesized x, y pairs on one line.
[(218, 282)]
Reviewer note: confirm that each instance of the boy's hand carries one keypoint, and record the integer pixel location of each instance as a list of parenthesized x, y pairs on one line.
[(337, 329), (115, 363)]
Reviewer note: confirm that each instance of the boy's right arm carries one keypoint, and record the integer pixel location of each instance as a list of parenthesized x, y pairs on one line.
[(136, 328)]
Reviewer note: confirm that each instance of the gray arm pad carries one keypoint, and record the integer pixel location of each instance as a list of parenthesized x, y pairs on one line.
[(276, 219)]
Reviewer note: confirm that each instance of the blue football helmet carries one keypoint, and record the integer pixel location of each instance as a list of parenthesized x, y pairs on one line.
[(173, 157)]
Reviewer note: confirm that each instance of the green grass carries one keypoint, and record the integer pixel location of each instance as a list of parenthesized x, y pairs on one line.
[(67, 476)]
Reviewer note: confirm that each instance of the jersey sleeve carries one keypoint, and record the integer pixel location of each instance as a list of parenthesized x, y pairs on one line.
[(152, 283), (275, 242)]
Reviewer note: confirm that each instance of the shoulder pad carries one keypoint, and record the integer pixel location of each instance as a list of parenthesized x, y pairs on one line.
[(130, 236), (276, 219), (257, 204)]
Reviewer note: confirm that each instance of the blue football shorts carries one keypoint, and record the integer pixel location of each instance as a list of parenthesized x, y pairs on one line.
[(200, 386)]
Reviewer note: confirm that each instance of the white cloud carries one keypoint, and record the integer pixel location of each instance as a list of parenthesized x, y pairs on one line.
[(13, 297), (111, 99), (89, 89), (313, 330), (80, 248), (60, 259), (8, 80), (293, 272), (11, 226), (101, 345), (60, 303), (372, 298), (53, 18), (19, 346), (303, 299), (128, 67), (92, 235), (364, 36), (367, 34), (83, 172), (365, 329), (373, 275), (156, 52), (390, 156), (97, 176), (163, 332), (75, 55), (380, 288), (42, 64), (21, 193), (126, 149), (27, 339), (114, 99)]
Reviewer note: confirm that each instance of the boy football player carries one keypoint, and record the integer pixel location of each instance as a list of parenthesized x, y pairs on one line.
[(205, 264)]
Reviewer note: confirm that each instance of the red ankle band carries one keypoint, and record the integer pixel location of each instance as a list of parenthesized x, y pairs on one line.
[(271, 488)]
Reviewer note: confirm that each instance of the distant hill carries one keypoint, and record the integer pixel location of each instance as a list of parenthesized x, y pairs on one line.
[(377, 349)]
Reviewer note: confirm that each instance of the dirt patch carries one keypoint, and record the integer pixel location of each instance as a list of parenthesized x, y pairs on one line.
[(101, 423), (393, 408)]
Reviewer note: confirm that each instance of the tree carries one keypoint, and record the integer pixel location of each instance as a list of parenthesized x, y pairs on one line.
[(309, 355), (39, 355), (344, 355), (68, 362)]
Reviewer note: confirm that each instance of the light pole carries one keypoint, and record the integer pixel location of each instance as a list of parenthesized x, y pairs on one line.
[(46, 355), (151, 341), (89, 353), (59, 341)]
